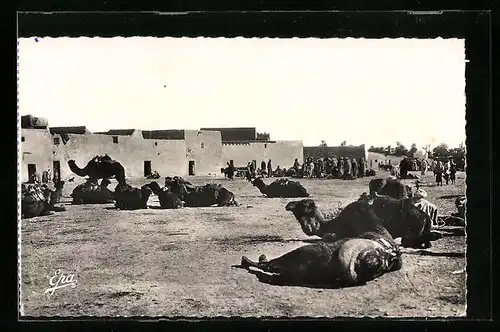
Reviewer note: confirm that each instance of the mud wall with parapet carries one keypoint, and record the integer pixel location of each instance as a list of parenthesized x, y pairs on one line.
[(281, 153), (317, 152), (35, 147), (205, 149), (168, 157)]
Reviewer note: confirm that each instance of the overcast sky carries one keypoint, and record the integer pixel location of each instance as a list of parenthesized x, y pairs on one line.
[(373, 91)]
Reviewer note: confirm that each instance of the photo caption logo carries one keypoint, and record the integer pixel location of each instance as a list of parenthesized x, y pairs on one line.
[(59, 280)]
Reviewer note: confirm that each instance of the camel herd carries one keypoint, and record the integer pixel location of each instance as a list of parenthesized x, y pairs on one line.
[(356, 246)]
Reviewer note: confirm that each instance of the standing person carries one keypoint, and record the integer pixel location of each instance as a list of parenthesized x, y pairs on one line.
[(355, 168), (230, 171), (446, 172), (296, 164), (335, 167), (453, 172), (423, 166), (347, 168), (341, 167), (362, 167), (403, 168), (249, 170), (269, 169), (311, 167), (438, 170), (263, 166)]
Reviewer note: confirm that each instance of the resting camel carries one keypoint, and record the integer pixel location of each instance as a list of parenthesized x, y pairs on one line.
[(92, 193), (385, 216), (280, 188), (130, 198), (168, 199), (389, 186), (345, 262), (201, 196), (38, 200)]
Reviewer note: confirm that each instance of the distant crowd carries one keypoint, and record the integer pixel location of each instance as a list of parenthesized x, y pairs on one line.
[(330, 167)]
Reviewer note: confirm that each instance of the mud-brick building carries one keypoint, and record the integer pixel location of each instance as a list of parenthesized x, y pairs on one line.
[(35, 147), (169, 152), (317, 152), (244, 144)]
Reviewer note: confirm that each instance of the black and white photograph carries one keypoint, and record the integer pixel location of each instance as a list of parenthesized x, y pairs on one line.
[(249, 177)]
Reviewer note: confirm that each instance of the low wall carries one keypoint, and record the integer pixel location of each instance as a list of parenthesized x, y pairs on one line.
[(317, 152)]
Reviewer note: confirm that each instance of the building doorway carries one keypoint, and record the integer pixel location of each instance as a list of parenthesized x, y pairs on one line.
[(31, 171), (191, 167), (57, 171), (147, 167)]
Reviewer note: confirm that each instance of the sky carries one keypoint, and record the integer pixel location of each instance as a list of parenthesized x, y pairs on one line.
[(362, 91)]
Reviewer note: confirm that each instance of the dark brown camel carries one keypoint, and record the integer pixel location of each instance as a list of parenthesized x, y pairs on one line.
[(168, 199), (280, 188), (388, 217), (201, 196), (130, 198), (390, 187), (92, 193), (345, 262)]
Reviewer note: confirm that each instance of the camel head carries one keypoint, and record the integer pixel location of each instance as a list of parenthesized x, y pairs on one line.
[(371, 263), (308, 215), (257, 182)]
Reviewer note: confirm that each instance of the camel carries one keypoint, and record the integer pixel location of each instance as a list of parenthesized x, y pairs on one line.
[(201, 196), (92, 193), (168, 199), (130, 198), (386, 216), (389, 186), (280, 188), (100, 167), (343, 263), (38, 200)]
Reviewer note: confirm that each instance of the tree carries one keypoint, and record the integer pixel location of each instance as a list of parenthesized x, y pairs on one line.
[(400, 150), (323, 143), (343, 143), (412, 150), (441, 151)]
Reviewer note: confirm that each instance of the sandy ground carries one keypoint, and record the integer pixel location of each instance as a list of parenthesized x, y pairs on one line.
[(178, 262)]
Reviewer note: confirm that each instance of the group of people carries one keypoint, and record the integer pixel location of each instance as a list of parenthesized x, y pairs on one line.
[(446, 170), (334, 167)]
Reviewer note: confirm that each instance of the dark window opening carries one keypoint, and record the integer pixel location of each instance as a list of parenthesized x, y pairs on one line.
[(115, 139), (156, 143), (147, 167), (57, 171), (56, 140), (265, 146), (191, 167), (202, 145), (31, 170), (22, 139)]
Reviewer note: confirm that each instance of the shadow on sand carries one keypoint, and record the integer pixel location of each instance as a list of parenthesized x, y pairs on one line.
[(276, 280), (251, 239), (436, 254)]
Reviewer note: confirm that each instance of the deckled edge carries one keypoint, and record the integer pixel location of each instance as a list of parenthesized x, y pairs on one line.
[(19, 247)]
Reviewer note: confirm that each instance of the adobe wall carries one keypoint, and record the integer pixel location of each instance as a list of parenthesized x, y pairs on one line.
[(168, 157), (281, 153), (340, 151), (208, 159), (35, 147)]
